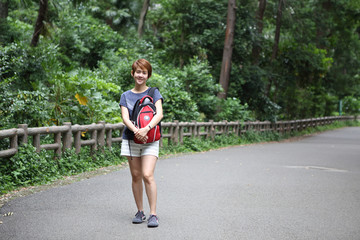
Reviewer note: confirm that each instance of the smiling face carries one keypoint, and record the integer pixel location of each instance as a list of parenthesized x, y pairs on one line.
[(140, 75), (141, 71)]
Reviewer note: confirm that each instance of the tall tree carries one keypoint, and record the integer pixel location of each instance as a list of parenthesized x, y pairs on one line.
[(142, 17), (277, 30), (4, 9), (228, 49), (259, 28), (276, 45), (39, 25)]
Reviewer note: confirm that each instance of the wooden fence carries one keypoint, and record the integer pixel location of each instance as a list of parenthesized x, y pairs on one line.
[(104, 134)]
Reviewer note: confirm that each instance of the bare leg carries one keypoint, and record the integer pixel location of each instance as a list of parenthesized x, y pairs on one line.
[(148, 168), (137, 185)]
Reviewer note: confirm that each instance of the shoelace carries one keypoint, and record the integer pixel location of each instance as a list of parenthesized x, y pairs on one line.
[(153, 216), (139, 214)]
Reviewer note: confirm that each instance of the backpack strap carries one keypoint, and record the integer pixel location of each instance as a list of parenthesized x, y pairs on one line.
[(152, 91)]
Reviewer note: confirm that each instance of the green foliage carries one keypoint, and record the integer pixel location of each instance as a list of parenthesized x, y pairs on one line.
[(83, 96), (178, 104), (82, 62), (28, 168), (232, 110), (27, 107), (250, 88), (185, 29), (119, 14), (351, 106), (86, 46), (201, 86)]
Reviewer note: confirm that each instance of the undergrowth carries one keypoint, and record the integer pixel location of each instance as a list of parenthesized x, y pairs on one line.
[(201, 144), (28, 168)]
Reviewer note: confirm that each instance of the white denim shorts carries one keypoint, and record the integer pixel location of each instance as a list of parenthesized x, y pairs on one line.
[(138, 150)]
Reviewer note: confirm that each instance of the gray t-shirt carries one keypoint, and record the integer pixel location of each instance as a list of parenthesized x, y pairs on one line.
[(128, 100)]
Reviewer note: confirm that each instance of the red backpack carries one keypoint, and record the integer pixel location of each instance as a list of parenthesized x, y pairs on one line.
[(144, 110)]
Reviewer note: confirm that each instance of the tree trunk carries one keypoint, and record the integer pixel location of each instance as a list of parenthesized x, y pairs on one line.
[(259, 27), (323, 30), (228, 48), (4, 9), (276, 43), (277, 30), (39, 25), (142, 17)]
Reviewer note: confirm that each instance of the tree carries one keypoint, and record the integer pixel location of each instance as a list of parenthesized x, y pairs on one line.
[(188, 28), (276, 44), (142, 17), (228, 48), (277, 30), (4, 9), (39, 25), (259, 27)]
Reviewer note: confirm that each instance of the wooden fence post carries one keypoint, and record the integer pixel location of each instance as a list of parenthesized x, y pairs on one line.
[(25, 137), (237, 128), (225, 128), (213, 130), (176, 132), (67, 137), (193, 129), (181, 134), (109, 138), (94, 137), (101, 135), (195, 132), (77, 141), (36, 142), (14, 141), (289, 126), (57, 140)]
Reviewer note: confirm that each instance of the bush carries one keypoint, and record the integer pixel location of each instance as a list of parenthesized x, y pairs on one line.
[(351, 106), (232, 110), (28, 167), (86, 46), (27, 107)]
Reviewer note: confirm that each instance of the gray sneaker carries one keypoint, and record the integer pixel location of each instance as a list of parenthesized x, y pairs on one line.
[(139, 217), (153, 221)]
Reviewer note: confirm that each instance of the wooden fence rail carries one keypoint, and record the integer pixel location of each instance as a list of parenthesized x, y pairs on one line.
[(104, 134)]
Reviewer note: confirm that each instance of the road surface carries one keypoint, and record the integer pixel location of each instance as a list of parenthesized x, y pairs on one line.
[(307, 189)]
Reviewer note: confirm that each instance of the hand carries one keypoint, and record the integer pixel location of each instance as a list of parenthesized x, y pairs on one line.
[(141, 134)]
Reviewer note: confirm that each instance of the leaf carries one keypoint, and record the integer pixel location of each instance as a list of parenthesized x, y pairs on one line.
[(82, 99)]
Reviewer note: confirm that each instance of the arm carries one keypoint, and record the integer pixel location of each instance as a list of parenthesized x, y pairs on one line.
[(159, 114), (126, 119)]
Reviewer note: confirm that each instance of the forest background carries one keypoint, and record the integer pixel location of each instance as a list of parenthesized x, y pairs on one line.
[(70, 60)]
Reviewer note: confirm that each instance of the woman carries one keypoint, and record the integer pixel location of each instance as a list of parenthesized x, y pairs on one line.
[(141, 157)]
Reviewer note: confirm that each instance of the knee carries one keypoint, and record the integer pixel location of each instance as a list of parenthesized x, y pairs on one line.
[(148, 177), (136, 176)]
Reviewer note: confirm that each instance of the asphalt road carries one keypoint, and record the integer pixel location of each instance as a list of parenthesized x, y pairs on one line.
[(308, 189)]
